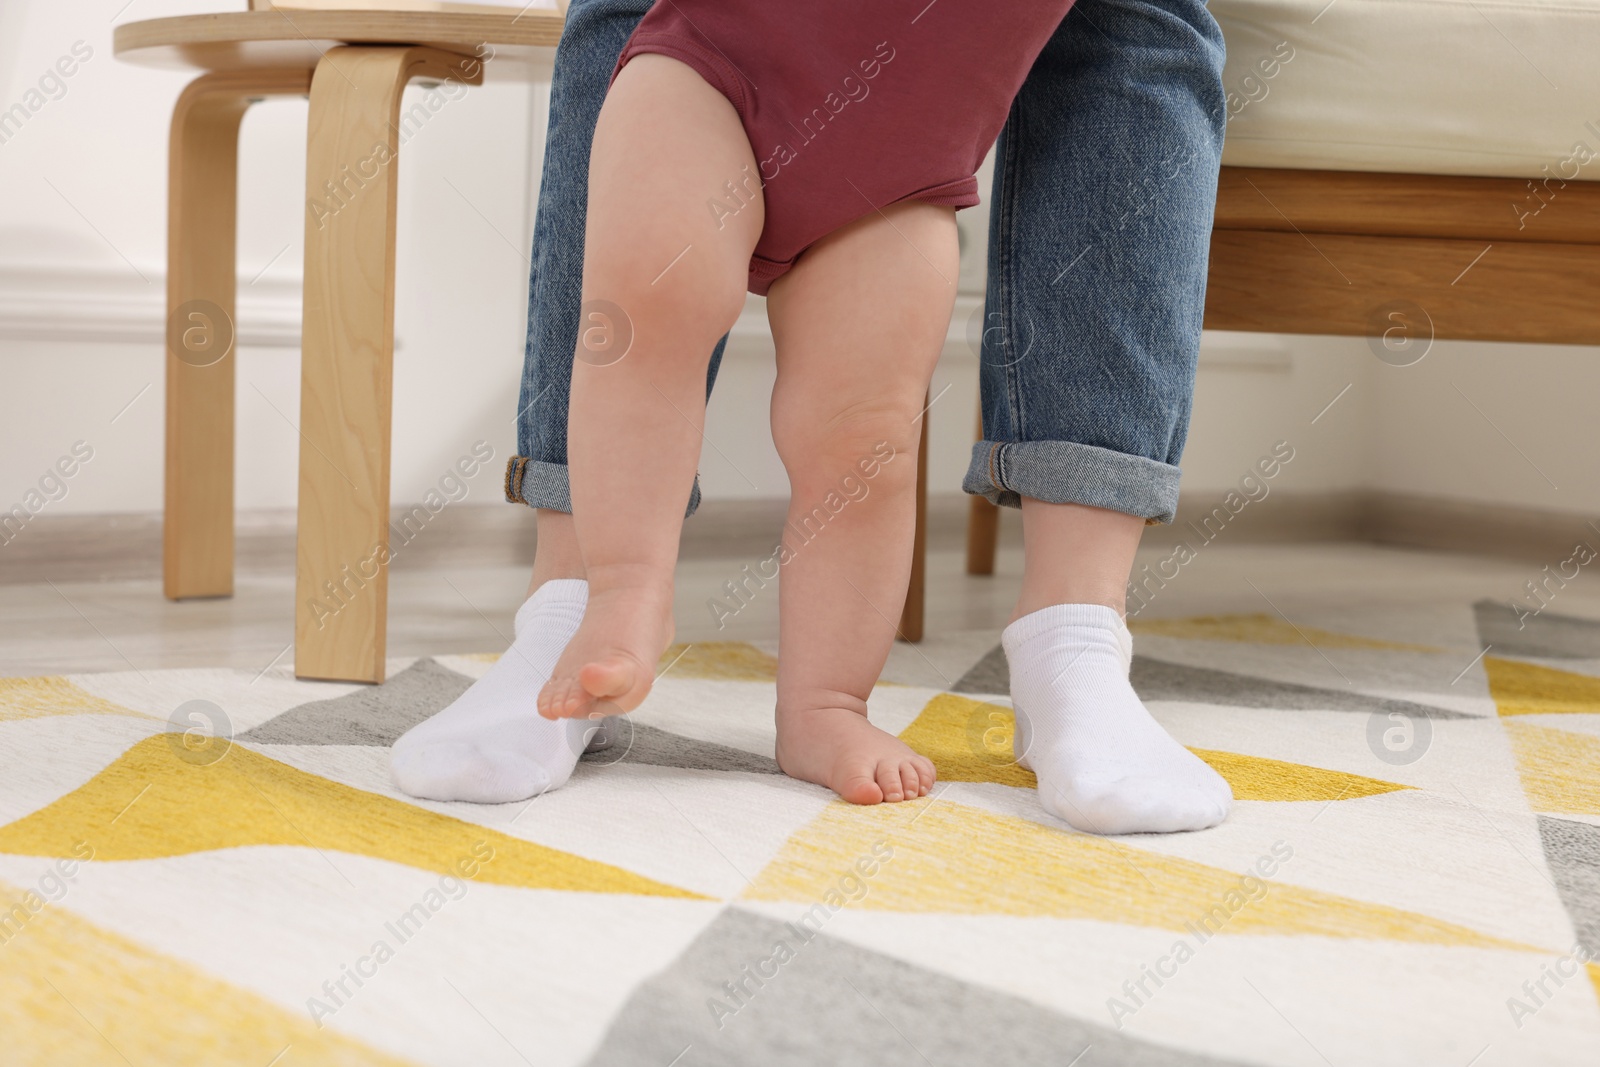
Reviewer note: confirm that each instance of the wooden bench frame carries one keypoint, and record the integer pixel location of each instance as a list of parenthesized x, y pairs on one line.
[(1414, 257)]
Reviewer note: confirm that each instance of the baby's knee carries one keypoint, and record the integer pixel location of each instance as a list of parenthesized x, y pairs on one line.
[(687, 313), (858, 448)]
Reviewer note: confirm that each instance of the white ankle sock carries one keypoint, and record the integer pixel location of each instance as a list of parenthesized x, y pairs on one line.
[(491, 746), (1104, 764)]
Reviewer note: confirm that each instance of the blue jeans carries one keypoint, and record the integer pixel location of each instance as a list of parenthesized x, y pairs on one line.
[(1105, 182)]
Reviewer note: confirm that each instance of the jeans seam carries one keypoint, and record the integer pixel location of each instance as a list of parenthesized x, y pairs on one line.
[(1009, 375)]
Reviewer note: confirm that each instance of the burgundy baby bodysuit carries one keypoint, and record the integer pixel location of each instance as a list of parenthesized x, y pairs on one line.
[(852, 105)]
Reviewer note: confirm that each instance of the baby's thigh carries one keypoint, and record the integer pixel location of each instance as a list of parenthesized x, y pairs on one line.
[(859, 324), (664, 137)]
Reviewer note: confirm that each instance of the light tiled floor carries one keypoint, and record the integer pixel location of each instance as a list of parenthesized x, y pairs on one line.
[(79, 626)]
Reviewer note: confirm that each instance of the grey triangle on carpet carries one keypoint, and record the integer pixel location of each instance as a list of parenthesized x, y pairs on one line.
[(991, 675), (1573, 851), (1545, 635), (638, 743), (1155, 679), (376, 715), (820, 1000)]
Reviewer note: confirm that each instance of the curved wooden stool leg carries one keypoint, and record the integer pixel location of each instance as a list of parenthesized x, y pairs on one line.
[(983, 535), (983, 526), (347, 354), (202, 194)]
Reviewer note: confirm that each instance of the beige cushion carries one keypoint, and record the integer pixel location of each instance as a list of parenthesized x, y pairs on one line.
[(1487, 87)]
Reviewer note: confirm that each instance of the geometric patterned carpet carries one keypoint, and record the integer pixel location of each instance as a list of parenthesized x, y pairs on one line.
[(1411, 874)]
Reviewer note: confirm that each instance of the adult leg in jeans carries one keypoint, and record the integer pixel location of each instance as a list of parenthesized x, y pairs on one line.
[(1105, 183), (491, 745)]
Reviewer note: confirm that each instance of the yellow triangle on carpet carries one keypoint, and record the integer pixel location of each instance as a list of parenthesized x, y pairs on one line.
[(970, 741), (723, 661), (935, 855), (33, 698), (1530, 689), (1263, 629), (151, 802), (1259, 778), (74, 993), (1560, 769)]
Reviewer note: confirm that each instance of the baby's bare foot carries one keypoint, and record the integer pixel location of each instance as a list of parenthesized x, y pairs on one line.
[(609, 665), (839, 748)]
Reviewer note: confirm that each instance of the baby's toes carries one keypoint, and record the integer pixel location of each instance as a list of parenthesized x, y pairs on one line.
[(557, 698), (926, 772), (859, 787), (547, 699), (911, 779), (889, 781)]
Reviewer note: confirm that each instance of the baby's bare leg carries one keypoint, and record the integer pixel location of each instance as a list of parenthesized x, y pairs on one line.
[(859, 324), (675, 274)]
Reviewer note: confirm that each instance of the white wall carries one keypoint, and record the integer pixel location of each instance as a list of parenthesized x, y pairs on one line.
[(1498, 424), (82, 298), (82, 270)]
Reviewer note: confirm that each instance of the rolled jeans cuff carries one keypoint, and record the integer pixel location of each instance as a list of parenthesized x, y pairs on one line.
[(544, 485), (1064, 472)]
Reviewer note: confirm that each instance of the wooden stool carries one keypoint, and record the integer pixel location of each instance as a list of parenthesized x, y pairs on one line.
[(354, 66)]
